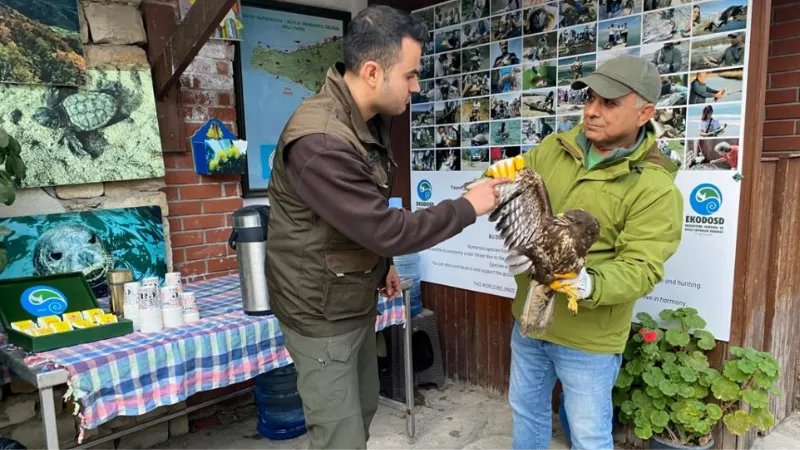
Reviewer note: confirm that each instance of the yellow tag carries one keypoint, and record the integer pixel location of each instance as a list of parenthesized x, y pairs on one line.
[(83, 323), (72, 316), (30, 331), (91, 314), (61, 327), (106, 318), (22, 325), (44, 322), (44, 332)]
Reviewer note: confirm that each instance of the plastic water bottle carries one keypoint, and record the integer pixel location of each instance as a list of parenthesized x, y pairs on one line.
[(408, 267), (280, 410)]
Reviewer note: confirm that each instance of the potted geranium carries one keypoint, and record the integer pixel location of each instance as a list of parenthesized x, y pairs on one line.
[(671, 396)]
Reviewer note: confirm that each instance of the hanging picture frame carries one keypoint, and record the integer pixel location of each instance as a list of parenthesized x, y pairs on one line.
[(281, 60)]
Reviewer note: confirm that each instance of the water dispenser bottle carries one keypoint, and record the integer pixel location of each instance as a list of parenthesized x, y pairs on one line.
[(408, 267)]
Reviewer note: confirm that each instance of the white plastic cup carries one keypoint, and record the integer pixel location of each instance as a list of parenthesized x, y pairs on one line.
[(189, 303), (191, 317), (172, 317), (173, 279), (170, 297), (150, 320)]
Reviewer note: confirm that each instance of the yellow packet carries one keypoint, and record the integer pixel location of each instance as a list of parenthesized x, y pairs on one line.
[(22, 325), (72, 316), (44, 331), (61, 327), (30, 331), (91, 314), (45, 321), (83, 323), (106, 319)]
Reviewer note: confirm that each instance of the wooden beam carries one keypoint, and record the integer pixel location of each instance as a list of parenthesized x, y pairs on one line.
[(187, 40)]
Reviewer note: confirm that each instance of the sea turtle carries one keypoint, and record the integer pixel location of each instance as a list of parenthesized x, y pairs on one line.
[(82, 114), (73, 248)]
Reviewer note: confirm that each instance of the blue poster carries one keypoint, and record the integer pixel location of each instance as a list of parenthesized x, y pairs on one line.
[(285, 58)]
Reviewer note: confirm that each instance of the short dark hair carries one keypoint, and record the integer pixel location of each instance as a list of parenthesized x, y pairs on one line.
[(376, 34)]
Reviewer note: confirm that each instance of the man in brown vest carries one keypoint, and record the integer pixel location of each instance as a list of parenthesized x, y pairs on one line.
[(331, 234)]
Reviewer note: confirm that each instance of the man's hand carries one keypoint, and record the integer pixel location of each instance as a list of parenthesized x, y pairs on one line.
[(576, 287), (391, 287), (484, 197)]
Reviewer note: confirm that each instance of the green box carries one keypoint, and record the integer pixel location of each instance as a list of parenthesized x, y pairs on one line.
[(71, 288)]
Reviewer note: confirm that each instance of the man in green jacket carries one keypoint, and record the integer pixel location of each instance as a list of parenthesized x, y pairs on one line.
[(611, 167)]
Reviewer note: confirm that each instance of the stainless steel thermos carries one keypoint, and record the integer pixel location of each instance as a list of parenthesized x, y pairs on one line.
[(249, 239)]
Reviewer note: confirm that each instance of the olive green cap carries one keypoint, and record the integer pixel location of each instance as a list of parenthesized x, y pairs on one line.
[(621, 75)]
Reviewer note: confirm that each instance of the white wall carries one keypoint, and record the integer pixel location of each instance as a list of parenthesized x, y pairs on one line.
[(354, 6)]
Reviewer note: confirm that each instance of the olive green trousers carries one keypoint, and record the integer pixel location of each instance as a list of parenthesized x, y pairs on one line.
[(337, 379)]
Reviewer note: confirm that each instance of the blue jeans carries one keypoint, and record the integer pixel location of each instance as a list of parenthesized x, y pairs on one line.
[(587, 380)]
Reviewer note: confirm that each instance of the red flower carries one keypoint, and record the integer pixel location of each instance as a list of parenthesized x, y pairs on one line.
[(650, 336), (641, 331)]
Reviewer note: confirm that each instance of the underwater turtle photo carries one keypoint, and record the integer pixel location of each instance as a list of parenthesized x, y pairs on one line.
[(82, 114)]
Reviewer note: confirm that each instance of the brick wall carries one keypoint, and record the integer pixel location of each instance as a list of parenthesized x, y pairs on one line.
[(782, 128), (200, 206)]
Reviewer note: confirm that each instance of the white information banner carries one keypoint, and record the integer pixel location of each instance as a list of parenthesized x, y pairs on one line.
[(495, 81)]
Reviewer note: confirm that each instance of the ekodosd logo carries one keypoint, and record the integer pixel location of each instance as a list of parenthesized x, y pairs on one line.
[(424, 190), (42, 301), (706, 199)]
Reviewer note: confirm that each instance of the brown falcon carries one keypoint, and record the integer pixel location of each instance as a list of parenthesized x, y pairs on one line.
[(549, 248)]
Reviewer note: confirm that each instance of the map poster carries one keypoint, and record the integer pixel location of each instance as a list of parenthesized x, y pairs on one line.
[(285, 56), (495, 80)]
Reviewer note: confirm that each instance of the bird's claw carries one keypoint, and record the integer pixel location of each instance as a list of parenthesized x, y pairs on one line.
[(571, 291)]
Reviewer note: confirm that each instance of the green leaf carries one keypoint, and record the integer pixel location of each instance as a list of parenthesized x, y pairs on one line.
[(624, 379), (668, 388), (3, 138), (660, 403), (709, 376), (737, 423), (635, 367), (642, 420), (652, 376), (686, 391), (762, 418), (769, 367), (677, 338), (654, 392), (670, 357), (697, 360), (705, 340), (756, 398), (640, 399), (659, 419), (628, 407), (714, 411), (725, 389), (747, 366), (688, 374), (646, 320), (643, 433), (700, 391), (694, 321), (13, 146), (670, 368), (8, 193), (733, 372), (619, 397), (667, 315), (16, 166), (737, 351)]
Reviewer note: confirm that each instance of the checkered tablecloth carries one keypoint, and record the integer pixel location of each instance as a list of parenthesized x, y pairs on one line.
[(134, 374)]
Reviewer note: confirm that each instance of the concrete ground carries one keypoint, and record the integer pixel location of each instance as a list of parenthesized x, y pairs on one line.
[(457, 417)]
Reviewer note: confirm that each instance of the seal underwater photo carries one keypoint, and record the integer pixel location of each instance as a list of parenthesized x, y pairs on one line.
[(74, 248)]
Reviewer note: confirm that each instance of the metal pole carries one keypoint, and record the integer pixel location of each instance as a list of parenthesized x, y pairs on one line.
[(409, 378)]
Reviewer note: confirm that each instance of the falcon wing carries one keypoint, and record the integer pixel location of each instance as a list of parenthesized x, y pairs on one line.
[(521, 215)]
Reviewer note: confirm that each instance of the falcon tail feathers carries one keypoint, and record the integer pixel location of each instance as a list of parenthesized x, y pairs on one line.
[(537, 314)]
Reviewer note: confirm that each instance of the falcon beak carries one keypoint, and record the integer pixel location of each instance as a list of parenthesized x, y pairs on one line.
[(559, 221)]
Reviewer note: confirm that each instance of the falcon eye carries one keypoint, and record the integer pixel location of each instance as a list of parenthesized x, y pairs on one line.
[(56, 256), (93, 239)]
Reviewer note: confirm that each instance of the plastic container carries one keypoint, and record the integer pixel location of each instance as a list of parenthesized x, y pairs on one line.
[(280, 410), (408, 267)]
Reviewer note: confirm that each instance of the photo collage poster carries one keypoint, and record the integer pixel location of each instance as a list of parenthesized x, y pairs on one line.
[(495, 80)]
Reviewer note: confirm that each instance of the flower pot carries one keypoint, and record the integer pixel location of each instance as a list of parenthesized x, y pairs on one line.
[(658, 443)]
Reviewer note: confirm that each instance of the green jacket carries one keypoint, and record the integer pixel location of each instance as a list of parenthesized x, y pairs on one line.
[(640, 210)]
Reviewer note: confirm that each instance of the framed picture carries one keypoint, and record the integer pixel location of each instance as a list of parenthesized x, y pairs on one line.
[(282, 59)]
